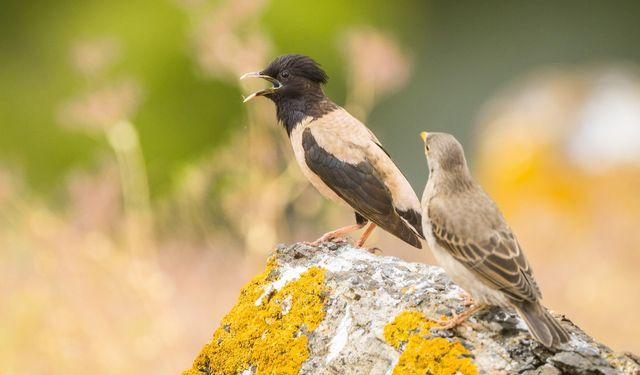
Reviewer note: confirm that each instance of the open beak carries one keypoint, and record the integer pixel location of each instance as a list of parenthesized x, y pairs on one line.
[(276, 85), (424, 135)]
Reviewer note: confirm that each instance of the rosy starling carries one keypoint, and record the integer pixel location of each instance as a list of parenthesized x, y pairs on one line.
[(338, 154), (471, 240)]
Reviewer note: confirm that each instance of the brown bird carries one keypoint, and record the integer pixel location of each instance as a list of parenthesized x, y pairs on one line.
[(338, 154), (471, 240)]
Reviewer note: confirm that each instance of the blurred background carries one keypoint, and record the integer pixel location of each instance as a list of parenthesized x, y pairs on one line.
[(138, 193)]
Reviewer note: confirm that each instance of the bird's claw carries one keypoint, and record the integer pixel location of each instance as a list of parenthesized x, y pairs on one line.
[(340, 240), (444, 325), (467, 300), (457, 319), (373, 250), (323, 239)]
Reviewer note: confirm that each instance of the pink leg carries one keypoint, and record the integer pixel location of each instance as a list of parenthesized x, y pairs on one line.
[(467, 300), (456, 320), (329, 236), (365, 236)]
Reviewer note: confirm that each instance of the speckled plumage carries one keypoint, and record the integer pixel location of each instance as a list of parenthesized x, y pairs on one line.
[(474, 244)]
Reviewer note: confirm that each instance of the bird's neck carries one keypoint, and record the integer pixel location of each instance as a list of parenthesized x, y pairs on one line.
[(453, 182), (291, 111)]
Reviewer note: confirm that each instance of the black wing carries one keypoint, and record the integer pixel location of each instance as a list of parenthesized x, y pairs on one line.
[(360, 186)]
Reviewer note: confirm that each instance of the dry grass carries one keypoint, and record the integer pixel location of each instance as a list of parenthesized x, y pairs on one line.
[(75, 299)]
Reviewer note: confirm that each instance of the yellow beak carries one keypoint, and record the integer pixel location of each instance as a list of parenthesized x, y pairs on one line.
[(424, 135)]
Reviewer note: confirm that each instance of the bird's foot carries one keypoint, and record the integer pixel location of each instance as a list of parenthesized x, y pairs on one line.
[(335, 235), (467, 300), (365, 235), (373, 250), (457, 319), (322, 239)]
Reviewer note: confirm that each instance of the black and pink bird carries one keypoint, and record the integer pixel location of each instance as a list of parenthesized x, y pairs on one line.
[(339, 155)]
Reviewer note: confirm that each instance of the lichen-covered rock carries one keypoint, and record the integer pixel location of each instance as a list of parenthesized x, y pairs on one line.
[(336, 309)]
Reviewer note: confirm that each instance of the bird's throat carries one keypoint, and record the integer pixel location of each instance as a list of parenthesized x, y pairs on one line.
[(292, 111)]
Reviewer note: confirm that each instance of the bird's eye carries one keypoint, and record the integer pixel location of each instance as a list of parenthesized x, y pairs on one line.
[(284, 74)]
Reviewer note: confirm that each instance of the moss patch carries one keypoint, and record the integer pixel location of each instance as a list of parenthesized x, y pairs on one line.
[(420, 353), (269, 338)]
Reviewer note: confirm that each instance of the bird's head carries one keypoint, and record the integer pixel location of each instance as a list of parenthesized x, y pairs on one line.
[(443, 152), (291, 76)]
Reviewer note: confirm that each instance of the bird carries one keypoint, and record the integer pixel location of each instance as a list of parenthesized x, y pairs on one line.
[(473, 243), (338, 154)]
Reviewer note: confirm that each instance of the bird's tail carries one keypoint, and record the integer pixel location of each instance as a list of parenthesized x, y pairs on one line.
[(542, 325)]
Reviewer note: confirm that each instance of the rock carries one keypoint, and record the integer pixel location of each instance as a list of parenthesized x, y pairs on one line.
[(336, 309)]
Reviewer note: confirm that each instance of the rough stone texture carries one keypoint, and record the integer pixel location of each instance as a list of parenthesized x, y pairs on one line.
[(365, 293)]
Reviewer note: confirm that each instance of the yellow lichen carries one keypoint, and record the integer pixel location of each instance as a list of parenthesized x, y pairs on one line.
[(420, 353), (271, 337)]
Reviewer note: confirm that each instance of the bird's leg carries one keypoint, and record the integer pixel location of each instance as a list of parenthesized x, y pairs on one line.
[(458, 319), (329, 236), (366, 234), (466, 299)]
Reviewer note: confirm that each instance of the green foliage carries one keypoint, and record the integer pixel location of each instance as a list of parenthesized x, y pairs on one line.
[(182, 113)]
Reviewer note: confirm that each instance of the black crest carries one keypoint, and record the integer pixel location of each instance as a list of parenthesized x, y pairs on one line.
[(297, 65)]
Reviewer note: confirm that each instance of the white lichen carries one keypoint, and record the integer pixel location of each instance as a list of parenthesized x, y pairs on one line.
[(521, 325), (341, 336), (288, 274), (582, 346)]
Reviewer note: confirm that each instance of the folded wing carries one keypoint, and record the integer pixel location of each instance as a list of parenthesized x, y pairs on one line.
[(357, 179), (490, 250)]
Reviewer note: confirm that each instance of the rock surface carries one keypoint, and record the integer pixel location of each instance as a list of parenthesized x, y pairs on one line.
[(336, 309)]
